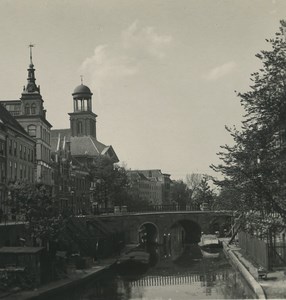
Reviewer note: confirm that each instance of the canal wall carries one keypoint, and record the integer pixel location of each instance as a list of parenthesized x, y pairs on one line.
[(49, 291), (240, 266)]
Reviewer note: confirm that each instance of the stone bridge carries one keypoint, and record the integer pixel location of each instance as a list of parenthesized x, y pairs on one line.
[(160, 227)]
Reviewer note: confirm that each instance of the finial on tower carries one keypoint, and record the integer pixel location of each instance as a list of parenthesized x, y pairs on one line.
[(81, 79), (31, 56)]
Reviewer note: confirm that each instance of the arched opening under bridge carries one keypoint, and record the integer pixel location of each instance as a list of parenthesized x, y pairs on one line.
[(191, 233), (148, 233)]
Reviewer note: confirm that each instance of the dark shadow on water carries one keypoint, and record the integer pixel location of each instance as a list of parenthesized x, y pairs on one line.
[(131, 272), (191, 255)]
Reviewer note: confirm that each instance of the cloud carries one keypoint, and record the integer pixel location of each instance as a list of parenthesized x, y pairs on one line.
[(146, 39), (221, 71), (104, 66), (122, 58)]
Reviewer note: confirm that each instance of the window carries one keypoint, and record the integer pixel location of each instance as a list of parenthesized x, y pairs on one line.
[(2, 148), (24, 156), (15, 166), (11, 169), (33, 109), (10, 147), (21, 151), (27, 109), (32, 130), (21, 172), (79, 127), (15, 148)]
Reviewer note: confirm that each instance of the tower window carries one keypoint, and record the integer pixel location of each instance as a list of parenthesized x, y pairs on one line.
[(33, 109), (32, 130), (79, 127), (27, 109)]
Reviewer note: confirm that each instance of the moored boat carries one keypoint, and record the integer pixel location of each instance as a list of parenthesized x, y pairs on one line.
[(210, 246), (207, 254), (133, 258)]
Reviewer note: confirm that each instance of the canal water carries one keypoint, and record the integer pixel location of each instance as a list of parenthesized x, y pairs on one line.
[(173, 274)]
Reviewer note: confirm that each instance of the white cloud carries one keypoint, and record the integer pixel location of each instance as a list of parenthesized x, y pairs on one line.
[(221, 71), (146, 39), (124, 58), (104, 66)]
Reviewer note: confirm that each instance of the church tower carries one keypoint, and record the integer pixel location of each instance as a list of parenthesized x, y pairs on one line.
[(82, 119), (32, 102), (33, 118)]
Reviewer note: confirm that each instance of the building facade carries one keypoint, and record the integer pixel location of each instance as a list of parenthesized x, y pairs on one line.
[(17, 158), (79, 146), (30, 113), (150, 185)]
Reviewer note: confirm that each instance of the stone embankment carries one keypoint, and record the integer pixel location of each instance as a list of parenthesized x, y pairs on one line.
[(74, 278), (271, 287)]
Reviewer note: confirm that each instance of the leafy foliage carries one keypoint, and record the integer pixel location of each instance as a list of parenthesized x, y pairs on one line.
[(254, 167), (204, 194), (112, 180), (34, 203), (179, 192)]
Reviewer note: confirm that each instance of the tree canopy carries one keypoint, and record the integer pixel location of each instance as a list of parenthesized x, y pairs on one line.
[(34, 203), (254, 167)]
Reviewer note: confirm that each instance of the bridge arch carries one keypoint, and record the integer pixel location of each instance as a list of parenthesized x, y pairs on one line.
[(190, 230), (148, 232)]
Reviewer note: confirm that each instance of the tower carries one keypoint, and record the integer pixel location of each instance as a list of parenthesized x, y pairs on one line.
[(82, 119), (33, 118), (32, 102)]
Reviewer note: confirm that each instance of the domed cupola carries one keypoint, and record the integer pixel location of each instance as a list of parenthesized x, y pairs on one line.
[(82, 98), (82, 119), (81, 91)]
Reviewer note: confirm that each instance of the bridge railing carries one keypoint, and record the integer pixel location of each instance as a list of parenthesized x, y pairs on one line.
[(164, 208), (147, 209)]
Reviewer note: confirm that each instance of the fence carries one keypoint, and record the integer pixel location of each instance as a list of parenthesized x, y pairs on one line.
[(270, 253), (255, 248)]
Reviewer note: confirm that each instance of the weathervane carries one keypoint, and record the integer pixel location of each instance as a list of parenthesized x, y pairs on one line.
[(31, 46)]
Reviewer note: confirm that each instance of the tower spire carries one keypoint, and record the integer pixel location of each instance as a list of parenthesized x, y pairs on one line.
[(81, 79), (31, 54), (31, 80)]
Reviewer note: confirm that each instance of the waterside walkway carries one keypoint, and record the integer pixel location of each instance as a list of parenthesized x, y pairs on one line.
[(272, 287)]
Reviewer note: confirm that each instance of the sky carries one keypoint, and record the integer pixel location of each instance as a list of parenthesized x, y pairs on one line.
[(163, 72)]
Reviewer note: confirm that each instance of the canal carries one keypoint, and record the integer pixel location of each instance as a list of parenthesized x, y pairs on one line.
[(175, 273)]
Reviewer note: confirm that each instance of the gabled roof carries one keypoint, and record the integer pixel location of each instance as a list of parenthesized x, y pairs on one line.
[(86, 145), (7, 119), (82, 145)]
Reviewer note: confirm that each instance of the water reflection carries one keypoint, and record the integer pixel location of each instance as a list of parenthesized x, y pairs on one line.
[(175, 273)]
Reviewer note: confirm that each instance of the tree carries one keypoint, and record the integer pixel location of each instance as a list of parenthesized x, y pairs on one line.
[(254, 167), (111, 180), (193, 181), (179, 193), (34, 203), (204, 194)]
